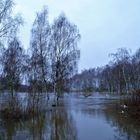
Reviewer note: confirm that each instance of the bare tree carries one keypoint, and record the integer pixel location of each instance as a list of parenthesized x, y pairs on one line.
[(8, 23), (12, 64), (122, 59), (84, 81), (136, 70), (120, 75), (64, 52), (40, 37)]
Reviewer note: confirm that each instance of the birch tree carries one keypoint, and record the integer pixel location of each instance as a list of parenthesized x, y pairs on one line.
[(39, 49), (64, 52)]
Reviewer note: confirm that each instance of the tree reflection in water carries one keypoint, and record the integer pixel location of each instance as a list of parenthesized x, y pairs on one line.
[(74, 118), (53, 123), (124, 127)]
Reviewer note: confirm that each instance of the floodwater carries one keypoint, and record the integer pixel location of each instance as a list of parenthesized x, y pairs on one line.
[(76, 118)]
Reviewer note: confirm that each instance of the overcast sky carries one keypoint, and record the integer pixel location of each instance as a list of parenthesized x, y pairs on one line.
[(105, 25)]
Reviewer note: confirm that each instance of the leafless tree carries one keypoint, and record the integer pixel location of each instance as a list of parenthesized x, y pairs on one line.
[(8, 23), (122, 59), (39, 49), (12, 64), (64, 52)]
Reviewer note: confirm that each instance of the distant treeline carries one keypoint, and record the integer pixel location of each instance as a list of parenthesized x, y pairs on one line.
[(121, 75), (51, 58)]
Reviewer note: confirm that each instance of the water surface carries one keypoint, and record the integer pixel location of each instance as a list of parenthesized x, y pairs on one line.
[(76, 118)]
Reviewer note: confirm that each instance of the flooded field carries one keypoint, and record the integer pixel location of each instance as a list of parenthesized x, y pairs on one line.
[(76, 118)]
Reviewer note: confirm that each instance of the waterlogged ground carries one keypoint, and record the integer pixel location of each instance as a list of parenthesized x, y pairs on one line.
[(96, 117)]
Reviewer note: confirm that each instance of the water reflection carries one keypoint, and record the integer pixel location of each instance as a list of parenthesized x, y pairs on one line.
[(76, 118), (125, 126), (100, 118), (51, 123)]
